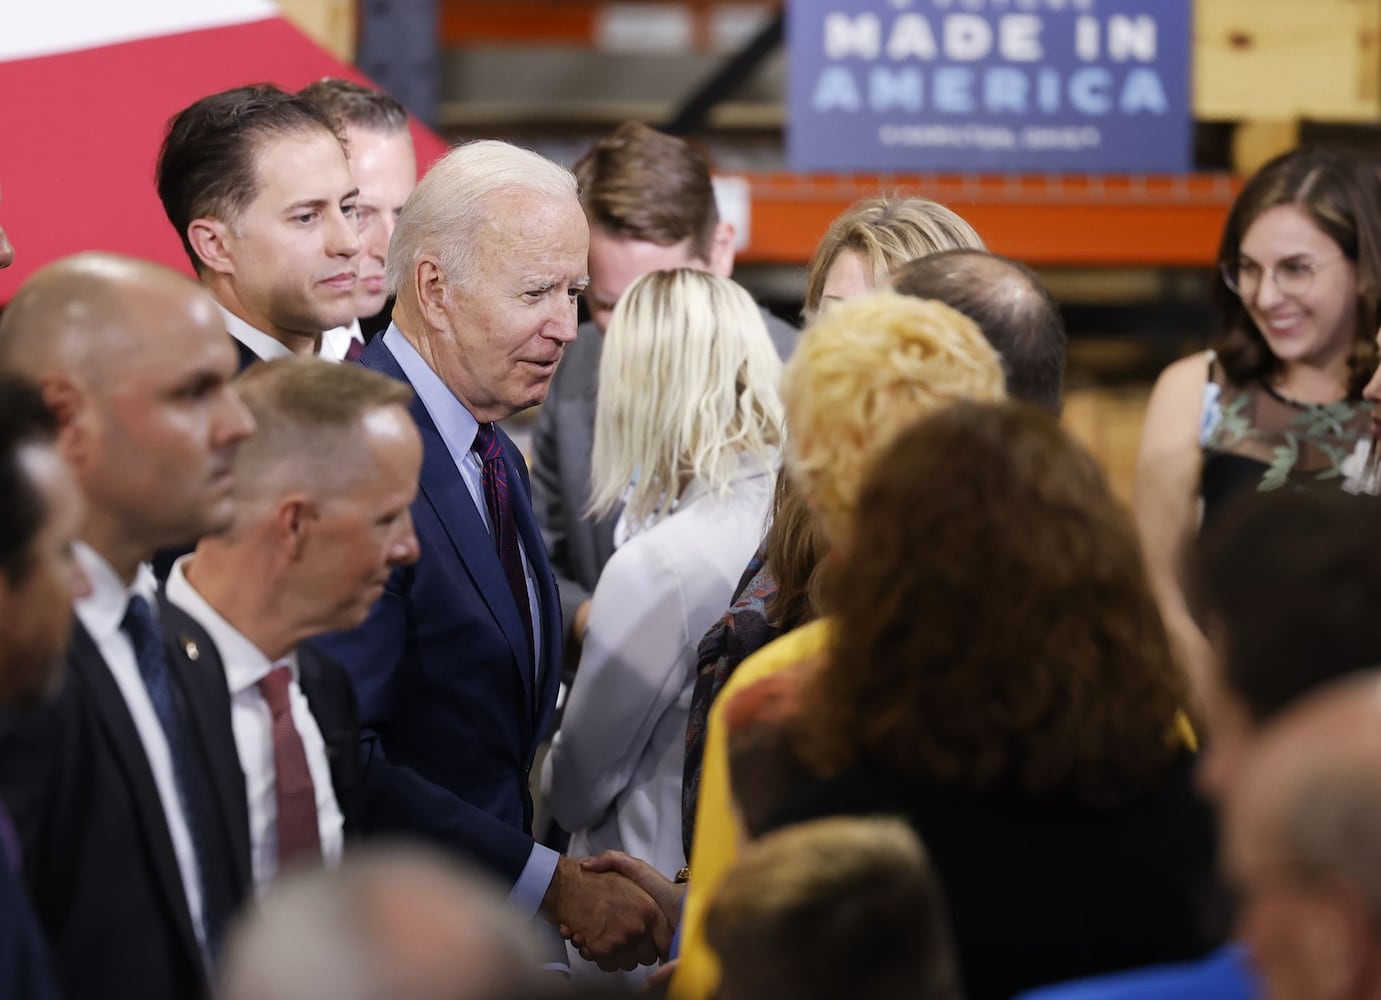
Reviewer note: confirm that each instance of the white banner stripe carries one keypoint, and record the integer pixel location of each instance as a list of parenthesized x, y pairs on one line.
[(30, 28)]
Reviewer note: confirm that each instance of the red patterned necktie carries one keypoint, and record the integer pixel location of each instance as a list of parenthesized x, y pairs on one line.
[(497, 499), (299, 837)]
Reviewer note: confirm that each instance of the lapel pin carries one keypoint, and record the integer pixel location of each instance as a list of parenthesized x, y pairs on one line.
[(190, 649)]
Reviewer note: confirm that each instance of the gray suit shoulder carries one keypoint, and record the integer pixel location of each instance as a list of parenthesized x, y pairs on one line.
[(783, 334)]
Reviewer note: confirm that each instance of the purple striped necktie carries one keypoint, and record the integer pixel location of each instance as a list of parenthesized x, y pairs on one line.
[(505, 532)]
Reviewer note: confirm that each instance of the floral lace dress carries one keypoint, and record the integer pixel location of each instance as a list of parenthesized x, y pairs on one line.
[(1255, 438)]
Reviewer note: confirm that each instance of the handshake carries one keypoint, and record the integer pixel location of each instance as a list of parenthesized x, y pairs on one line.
[(618, 911)]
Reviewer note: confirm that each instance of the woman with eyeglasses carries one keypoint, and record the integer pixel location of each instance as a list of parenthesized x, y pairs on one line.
[(1276, 402)]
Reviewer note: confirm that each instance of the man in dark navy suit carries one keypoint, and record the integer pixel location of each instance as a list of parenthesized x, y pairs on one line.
[(457, 666), (41, 512), (111, 783)]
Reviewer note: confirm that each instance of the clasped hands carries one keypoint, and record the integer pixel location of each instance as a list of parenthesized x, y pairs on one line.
[(618, 911)]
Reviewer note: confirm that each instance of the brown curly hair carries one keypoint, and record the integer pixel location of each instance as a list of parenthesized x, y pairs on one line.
[(996, 631), (1341, 194)]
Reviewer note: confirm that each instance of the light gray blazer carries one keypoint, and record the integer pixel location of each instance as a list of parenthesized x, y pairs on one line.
[(562, 444)]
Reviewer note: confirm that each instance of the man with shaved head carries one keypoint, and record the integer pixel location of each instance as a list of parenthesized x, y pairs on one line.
[(1302, 843), (112, 785)]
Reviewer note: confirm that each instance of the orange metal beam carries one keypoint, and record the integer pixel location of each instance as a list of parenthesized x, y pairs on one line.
[(516, 22), (1056, 220), (527, 22)]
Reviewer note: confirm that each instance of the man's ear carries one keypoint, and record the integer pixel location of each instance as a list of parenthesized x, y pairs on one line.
[(211, 239), (433, 290), (293, 517), (71, 406), (722, 249)]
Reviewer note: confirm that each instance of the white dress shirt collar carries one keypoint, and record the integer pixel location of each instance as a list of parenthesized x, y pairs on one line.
[(245, 664), (266, 347), (103, 610), (337, 340)]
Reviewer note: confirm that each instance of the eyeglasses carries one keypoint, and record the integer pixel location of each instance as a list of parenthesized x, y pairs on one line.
[(1292, 276)]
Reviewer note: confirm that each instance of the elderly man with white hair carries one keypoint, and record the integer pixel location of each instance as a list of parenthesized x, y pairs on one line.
[(457, 666)]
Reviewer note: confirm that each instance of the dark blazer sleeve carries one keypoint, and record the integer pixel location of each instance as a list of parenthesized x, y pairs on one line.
[(331, 697), (24, 967)]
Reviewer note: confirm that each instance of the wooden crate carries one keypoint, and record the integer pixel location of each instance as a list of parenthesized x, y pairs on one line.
[(1286, 59), (1107, 421), (329, 23)]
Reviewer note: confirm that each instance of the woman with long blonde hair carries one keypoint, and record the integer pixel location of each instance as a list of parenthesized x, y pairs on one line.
[(687, 429)]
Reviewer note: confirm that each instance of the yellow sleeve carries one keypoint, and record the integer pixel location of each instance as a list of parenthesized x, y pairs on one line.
[(714, 848)]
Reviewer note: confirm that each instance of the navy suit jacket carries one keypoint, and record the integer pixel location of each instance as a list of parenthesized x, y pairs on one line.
[(24, 967), (449, 712)]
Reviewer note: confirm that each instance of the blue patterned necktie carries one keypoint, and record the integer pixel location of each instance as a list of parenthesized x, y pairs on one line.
[(497, 499), (146, 636)]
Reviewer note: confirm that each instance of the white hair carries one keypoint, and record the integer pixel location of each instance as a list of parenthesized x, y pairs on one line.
[(688, 387), (392, 923), (443, 213)]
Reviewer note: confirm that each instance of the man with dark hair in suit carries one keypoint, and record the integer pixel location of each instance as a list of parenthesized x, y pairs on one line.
[(111, 783), (41, 511), (256, 183), (651, 207), (457, 666), (1010, 305), (322, 492)]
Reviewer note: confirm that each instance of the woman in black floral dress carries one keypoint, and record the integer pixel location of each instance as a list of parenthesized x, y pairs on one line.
[(1277, 400)]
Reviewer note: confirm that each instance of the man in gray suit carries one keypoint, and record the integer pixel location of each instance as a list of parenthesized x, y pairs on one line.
[(651, 207)]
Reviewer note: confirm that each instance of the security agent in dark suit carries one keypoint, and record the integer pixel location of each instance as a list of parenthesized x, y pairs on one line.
[(322, 500), (457, 666), (112, 784), (41, 511), (651, 207)]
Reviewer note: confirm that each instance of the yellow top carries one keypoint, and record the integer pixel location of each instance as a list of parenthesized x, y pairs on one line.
[(714, 848)]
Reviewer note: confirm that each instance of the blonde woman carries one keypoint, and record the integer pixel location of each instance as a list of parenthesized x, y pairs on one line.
[(689, 414), (872, 239)]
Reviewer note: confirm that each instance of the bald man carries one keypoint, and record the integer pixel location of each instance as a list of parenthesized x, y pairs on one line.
[(112, 785), (1302, 842)]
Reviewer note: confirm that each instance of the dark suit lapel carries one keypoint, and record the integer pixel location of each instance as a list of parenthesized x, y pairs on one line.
[(127, 751), (545, 580), (198, 668), (445, 491), (246, 353)]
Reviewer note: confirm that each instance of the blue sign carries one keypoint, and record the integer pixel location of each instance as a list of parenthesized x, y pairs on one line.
[(989, 85)]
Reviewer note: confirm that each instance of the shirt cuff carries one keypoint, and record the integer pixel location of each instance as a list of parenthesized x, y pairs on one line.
[(533, 883)]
